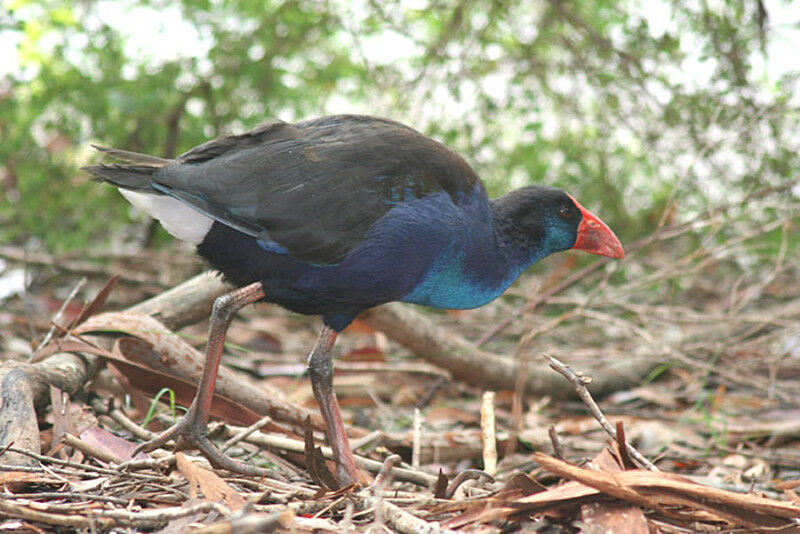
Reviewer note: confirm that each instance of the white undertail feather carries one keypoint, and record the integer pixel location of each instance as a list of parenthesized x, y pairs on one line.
[(177, 218)]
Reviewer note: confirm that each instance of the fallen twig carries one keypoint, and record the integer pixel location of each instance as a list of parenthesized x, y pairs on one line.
[(56, 320), (88, 449), (408, 523), (558, 452), (579, 382), (258, 425), (488, 433), (464, 476), (293, 445)]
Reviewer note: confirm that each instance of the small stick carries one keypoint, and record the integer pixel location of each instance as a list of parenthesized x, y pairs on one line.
[(85, 467), (488, 433), (124, 421), (464, 476), (385, 475), (258, 425), (66, 495), (377, 503), (403, 521), (416, 445), (426, 398), (558, 451), (346, 524), (89, 450), (386, 512), (579, 381), (57, 318), (375, 435), (517, 402)]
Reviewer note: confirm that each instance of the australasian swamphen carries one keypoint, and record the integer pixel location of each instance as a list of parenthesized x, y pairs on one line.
[(332, 216)]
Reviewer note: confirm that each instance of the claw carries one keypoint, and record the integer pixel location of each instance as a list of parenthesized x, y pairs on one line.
[(188, 433)]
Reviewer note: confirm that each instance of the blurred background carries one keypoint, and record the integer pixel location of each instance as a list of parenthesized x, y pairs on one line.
[(648, 111)]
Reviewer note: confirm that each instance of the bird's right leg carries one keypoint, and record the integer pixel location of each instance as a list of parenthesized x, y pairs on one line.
[(320, 370)]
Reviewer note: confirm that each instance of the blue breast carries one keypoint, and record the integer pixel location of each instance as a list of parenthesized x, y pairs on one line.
[(448, 285), (468, 270)]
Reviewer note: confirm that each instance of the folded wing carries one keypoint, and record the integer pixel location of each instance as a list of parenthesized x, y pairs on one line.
[(314, 188)]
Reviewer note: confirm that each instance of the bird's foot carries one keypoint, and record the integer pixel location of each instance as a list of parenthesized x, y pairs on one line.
[(347, 473), (188, 433)]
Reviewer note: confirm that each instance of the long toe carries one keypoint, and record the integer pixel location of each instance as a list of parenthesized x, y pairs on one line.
[(179, 432), (189, 434), (222, 461)]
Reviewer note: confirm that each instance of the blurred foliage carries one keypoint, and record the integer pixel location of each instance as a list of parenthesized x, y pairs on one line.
[(647, 111)]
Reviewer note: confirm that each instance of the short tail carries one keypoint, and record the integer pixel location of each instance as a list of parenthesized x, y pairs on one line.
[(135, 181), (136, 175)]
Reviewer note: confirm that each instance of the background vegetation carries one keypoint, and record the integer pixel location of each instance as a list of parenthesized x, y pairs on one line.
[(649, 111)]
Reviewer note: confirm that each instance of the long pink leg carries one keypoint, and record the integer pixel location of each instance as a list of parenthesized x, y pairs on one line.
[(320, 370), (191, 430)]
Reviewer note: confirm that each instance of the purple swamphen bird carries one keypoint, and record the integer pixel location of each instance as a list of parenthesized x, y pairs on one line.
[(332, 216)]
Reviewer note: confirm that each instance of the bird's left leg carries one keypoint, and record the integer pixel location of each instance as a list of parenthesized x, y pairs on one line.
[(191, 430), (320, 370)]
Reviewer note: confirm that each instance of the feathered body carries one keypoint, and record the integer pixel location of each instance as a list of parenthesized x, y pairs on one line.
[(339, 214)]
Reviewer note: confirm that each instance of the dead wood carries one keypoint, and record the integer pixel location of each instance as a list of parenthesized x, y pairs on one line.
[(18, 416), (473, 366), (404, 521), (413, 330), (169, 356), (187, 303), (25, 385)]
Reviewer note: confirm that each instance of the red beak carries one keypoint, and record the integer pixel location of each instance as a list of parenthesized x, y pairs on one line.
[(595, 237)]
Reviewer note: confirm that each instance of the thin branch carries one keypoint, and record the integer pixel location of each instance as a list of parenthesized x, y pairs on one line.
[(579, 381)]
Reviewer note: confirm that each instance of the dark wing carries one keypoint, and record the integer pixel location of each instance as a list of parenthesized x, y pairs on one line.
[(314, 188)]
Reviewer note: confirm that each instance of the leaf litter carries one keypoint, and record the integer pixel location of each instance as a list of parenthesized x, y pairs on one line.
[(715, 412)]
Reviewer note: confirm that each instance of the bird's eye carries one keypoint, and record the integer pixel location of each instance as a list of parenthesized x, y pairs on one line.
[(564, 211)]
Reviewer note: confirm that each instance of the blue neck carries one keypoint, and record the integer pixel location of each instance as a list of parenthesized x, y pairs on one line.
[(480, 265)]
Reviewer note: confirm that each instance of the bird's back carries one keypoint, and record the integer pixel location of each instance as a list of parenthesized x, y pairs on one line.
[(316, 187)]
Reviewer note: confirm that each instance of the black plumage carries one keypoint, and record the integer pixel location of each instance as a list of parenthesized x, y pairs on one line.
[(295, 185)]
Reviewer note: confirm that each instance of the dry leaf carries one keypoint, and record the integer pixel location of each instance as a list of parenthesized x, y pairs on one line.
[(315, 462), (17, 480), (209, 484), (110, 443), (97, 303)]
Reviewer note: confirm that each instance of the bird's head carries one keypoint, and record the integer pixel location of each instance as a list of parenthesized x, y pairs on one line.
[(551, 221)]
